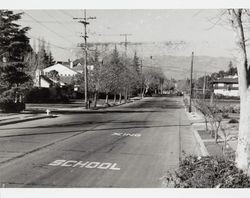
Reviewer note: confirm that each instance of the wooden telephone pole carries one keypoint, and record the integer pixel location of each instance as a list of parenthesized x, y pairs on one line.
[(141, 81), (126, 42), (191, 83), (85, 36)]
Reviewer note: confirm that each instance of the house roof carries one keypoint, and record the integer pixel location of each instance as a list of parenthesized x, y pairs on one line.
[(77, 68), (47, 79), (60, 68), (226, 80), (66, 79)]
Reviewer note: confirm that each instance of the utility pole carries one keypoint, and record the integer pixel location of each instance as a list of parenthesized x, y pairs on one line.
[(126, 42), (141, 81), (85, 36), (204, 86), (191, 82)]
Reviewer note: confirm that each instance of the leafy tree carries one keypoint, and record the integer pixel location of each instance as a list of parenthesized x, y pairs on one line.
[(44, 55), (94, 79), (14, 45), (54, 75), (110, 72), (31, 61), (136, 63), (231, 69), (153, 80), (50, 58)]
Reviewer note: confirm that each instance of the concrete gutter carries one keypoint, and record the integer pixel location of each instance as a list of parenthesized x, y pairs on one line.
[(197, 118), (14, 121)]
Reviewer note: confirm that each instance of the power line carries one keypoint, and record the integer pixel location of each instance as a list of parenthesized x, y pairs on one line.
[(57, 46), (32, 21), (58, 22), (68, 15), (48, 28)]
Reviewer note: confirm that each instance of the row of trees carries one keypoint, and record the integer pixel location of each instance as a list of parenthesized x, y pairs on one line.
[(39, 58), (118, 75)]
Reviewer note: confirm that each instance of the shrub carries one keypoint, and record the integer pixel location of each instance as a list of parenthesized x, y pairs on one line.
[(207, 172), (185, 100), (46, 95), (232, 121), (225, 115), (9, 106)]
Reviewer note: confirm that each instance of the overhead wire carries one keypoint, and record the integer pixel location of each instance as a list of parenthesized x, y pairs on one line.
[(48, 28)]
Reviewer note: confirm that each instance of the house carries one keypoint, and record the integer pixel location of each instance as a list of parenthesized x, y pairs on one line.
[(42, 80), (66, 72), (61, 69), (227, 86)]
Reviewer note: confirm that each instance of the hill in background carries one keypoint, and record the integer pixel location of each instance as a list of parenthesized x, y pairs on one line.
[(170, 56)]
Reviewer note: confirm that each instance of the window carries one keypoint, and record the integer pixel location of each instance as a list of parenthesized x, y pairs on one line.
[(235, 85), (220, 84)]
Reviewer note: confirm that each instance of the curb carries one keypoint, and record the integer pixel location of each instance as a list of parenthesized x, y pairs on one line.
[(81, 111), (27, 119), (203, 149)]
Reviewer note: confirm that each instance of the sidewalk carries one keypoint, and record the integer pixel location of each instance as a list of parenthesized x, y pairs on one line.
[(35, 112), (207, 143), (23, 117)]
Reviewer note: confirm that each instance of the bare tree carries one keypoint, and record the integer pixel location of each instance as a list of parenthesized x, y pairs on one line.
[(238, 17)]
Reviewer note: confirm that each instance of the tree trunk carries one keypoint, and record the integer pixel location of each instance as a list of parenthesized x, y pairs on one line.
[(143, 91), (161, 88), (206, 123), (243, 147), (95, 100), (114, 98), (107, 98), (120, 97), (212, 98), (126, 95)]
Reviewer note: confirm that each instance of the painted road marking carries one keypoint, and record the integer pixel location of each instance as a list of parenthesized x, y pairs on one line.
[(127, 134), (81, 164)]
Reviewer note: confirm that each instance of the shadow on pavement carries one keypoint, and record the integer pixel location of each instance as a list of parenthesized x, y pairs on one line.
[(102, 129)]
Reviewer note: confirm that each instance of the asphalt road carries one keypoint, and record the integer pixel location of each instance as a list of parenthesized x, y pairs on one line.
[(133, 145)]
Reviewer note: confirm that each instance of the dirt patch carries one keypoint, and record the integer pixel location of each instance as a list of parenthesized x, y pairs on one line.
[(204, 135), (214, 149)]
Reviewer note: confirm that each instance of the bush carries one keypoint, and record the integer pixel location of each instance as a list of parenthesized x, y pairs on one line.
[(9, 106), (207, 172), (185, 100), (233, 121), (220, 96), (225, 115), (46, 95)]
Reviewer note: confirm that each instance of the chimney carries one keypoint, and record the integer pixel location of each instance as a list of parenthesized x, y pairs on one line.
[(71, 64)]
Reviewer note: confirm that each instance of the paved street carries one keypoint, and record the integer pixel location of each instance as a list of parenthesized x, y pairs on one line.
[(132, 145)]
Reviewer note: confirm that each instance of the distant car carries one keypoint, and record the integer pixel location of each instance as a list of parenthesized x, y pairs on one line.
[(179, 93)]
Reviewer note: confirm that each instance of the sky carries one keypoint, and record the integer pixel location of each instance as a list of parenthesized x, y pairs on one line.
[(195, 27)]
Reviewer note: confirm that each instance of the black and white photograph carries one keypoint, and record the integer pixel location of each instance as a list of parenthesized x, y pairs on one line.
[(124, 97)]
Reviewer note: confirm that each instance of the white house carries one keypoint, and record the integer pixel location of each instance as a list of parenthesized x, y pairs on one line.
[(66, 73), (42, 80), (61, 69), (227, 86)]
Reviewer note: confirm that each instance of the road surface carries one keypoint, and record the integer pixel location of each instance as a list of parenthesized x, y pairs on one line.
[(133, 145)]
